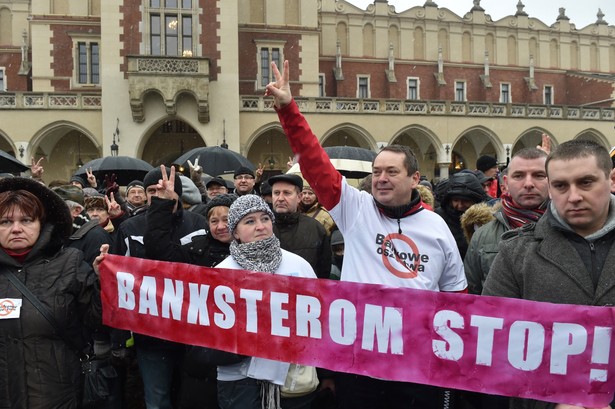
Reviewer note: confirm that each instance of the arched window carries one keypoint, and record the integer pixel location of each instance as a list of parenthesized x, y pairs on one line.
[(466, 47), (443, 43), (512, 50), (419, 44), (535, 51), (554, 53), (594, 64), (574, 55), (342, 37), (5, 27), (394, 39), (368, 40)]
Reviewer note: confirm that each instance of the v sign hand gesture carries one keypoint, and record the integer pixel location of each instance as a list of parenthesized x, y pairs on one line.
[(165, 189), (280, 89)]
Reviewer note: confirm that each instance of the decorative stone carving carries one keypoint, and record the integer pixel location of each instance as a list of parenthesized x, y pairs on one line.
[(169, 77)]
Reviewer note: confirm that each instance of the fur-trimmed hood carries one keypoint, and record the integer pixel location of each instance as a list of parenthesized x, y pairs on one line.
[(58, 223), (476, 216)]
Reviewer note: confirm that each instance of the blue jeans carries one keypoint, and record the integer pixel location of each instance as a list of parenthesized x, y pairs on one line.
[(158, 366)]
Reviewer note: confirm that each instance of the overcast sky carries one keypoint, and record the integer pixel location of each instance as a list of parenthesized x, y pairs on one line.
[(581, 13)]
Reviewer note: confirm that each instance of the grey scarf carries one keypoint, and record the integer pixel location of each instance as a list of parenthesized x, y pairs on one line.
[(263, 255)]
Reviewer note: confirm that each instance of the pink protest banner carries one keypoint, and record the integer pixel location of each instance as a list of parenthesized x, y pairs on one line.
[(551, 352)]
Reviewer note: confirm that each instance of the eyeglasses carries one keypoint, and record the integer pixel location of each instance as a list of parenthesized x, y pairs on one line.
[(216, 187), (244, 177)]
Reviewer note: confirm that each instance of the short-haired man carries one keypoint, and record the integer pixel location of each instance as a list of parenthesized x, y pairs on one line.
[(525, 202), (216, 186), (389, 219), (136, 198), (298, 233), (244, 181), (568, 256)]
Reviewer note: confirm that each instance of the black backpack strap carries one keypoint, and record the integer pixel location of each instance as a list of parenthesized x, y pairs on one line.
[(44, 311)]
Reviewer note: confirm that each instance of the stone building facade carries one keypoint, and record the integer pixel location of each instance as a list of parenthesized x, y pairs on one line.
[(159, 77)]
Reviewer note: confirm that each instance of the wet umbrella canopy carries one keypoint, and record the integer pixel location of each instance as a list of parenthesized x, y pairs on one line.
[(215, 160), (351, 161), (125, 168), (10, 164)]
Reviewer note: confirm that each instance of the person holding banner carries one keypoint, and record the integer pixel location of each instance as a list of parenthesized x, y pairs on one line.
[(39, 369), (247, 384), (568, 255), (390, 239)]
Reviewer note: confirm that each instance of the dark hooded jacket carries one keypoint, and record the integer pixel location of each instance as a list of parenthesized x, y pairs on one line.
[(37, 368), (461, 185)]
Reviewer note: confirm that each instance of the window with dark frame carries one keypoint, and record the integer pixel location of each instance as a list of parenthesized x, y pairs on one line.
[(2, 82), (460, 91), (504, 93), (171, 28), (321, 85), (548, 95), (413, 88), (88, 63), (267, 56), (363, 89)]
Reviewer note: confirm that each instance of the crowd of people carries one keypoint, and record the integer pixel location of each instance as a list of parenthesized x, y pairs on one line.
[(542, 229)]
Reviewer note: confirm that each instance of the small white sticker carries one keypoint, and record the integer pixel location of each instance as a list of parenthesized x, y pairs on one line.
[(10, 308)]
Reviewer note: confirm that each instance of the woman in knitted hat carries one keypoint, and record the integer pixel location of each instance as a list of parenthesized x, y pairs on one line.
[(254, 383)]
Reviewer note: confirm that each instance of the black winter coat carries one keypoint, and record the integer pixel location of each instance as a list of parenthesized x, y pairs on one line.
[(305, 237), (37, 368)]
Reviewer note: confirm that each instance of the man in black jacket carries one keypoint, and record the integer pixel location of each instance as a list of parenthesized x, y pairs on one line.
[(298, 233), (158, 359)]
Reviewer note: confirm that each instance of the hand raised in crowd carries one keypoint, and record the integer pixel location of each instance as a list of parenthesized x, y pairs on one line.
[(113, 207), (196, 171), (91, 178), (104, 250), (36, 169), (545, 146), (290, 163), (111, 185), (259, 172), (280, 88), (165, 189)]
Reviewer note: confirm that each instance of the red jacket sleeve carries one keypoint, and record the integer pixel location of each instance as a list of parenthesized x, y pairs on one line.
[(316, 167)]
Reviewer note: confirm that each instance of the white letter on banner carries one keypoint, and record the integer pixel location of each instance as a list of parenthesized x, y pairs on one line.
[(251, 297), (147, 297), (452, 346), (568, 339), (484, 340), (197, 309), (222, 296), (125, 295), (172, 298), (308, 317), (383, 325), (342, 322), (526, 341), (278, 314)]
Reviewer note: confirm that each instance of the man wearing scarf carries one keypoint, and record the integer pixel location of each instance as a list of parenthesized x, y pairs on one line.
[(525, 202)]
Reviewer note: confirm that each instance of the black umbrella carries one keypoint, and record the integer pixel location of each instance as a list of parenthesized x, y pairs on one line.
[(10, 164), (350, 152), (215, 160), (125, 168), (351, 161)]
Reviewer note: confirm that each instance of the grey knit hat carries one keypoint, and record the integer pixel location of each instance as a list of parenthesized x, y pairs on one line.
[(245, 205)]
